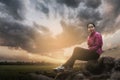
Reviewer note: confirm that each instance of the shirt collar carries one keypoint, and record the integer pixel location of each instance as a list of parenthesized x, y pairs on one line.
[(92, 33)]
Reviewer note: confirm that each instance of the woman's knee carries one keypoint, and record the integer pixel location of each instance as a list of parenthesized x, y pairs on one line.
[(76, 50)]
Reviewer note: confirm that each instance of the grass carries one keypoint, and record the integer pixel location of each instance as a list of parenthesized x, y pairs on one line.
[(25, 67), (14, 72), (20, 72)]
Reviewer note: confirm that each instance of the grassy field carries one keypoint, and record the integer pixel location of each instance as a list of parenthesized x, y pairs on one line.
[(25, 68), (20, 72)]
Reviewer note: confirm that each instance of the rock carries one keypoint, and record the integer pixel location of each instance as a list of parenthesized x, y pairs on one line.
[(115, 76), (93, 67), (117, 65), (39, 77), (107, 63), (79, 76), (103, 65), (76, 76)]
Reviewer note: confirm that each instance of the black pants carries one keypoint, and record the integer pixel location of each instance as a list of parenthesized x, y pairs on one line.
[(81, 54)]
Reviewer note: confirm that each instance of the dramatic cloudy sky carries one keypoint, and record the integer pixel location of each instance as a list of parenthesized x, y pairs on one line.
[(41, 29)]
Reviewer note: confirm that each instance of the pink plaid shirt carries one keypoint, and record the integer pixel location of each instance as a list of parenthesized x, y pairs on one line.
[(95, 42)]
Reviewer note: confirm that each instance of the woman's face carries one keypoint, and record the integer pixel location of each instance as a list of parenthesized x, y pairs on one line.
[(91, 28)]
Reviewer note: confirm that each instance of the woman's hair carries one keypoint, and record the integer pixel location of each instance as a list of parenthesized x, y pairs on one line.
[(92, 24)]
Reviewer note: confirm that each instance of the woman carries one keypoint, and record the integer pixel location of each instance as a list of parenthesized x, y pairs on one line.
[(93, 52)]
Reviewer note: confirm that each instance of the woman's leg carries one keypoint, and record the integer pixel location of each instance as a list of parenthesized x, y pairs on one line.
[(81, 54), (77, 52)]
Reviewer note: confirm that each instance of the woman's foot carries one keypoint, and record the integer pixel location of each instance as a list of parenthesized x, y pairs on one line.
[(62, 69)]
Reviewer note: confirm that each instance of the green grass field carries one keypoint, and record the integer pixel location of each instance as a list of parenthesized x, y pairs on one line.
[(25, 68), (14, 72), (20, 72)]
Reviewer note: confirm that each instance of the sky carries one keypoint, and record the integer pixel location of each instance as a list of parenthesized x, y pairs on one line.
[(47, 30)]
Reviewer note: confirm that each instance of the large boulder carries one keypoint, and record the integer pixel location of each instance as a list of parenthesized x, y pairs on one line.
[(103, 65)]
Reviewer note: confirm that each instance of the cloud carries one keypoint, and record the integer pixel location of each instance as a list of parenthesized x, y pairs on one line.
[(116, 6), (15, 34), (82, 11), (70, 3), (93, 3), (8, 54), (41, 7), (88, 15), (110, 14), (14, 8), (24, 24)]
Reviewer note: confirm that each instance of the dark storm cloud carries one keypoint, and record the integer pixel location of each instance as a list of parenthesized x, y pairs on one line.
[(12, 32), (15, 34), (75, 3), (70, 3), (14, 8), (93, 3), (42, 7), (86, 14), (89, 15)]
